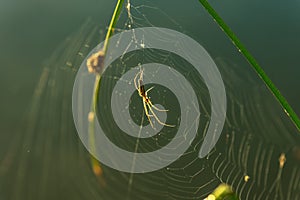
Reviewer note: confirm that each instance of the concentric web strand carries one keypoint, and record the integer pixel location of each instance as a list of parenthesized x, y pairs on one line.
[(258, 153)]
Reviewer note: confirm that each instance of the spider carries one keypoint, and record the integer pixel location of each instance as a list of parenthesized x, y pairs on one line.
[(138, 83)]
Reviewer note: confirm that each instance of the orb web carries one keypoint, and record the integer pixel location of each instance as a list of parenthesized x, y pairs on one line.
[(257, 154)]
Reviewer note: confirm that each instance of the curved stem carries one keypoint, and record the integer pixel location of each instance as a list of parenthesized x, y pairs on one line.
[(112, 23), (93, 109)]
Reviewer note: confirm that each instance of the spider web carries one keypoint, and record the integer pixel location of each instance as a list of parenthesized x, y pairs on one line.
[(257, 134)]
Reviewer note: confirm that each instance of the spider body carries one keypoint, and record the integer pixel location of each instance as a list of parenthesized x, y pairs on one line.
[(138, 83), (142, 91)]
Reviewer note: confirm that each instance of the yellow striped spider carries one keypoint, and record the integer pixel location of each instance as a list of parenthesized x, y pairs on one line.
[(138, 83)]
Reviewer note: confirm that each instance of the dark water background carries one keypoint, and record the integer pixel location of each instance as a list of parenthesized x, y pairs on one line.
[(31, 31)]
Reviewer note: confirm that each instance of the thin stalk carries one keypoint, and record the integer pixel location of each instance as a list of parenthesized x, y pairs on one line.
[(101, 54), (280, 98), (112, 23)]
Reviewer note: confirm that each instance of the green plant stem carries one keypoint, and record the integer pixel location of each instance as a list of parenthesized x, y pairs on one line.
[(112, 23), (283, 102), (93, 108)]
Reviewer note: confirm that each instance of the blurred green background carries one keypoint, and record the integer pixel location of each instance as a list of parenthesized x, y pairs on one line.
[(30, 31)]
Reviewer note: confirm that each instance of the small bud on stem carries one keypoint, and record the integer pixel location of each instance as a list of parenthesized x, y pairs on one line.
[(95, 62)]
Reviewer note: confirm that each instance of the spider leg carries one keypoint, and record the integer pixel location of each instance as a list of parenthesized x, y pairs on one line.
[(149, 90), (157, 119), (147, 114), (142, 73), (156, 108), (135, 84)]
